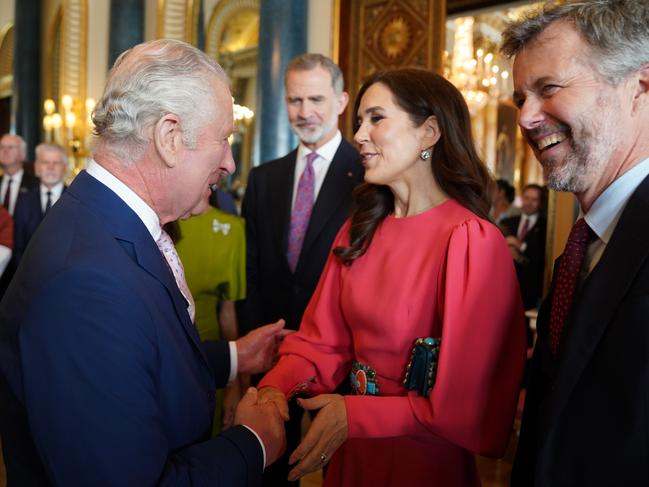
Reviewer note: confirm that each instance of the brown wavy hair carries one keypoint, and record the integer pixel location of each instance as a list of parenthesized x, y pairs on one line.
[(455, 163)]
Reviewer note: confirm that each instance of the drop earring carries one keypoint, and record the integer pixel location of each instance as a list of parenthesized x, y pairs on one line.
[(425, 154)]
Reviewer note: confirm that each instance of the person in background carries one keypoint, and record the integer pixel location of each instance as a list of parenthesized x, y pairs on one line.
[(409, 269), (6, 238), (15, 180), (294, 206), (581, 83), (502, 205), (103, 378), (212, 248), (525, 235), (51, 167)]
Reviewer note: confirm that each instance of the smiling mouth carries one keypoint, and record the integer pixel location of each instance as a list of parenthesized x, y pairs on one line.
[(550, 141)]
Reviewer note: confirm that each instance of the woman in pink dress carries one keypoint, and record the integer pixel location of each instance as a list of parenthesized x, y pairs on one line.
[(417, 259)]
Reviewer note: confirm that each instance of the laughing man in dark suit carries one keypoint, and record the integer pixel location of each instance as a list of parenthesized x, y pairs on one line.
[(581, 82), (283, 267)]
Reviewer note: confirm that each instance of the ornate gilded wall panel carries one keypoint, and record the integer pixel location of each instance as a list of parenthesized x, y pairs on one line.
[(74, 47), (178, 19), (384, 34), (6, 60)]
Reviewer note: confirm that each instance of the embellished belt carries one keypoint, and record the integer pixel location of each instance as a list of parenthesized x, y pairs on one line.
[(363, 380)]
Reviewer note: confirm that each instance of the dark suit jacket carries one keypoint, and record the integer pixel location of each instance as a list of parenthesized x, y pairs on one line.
[(273, 290), (28, 183), (586, 417), (27, 216), (105, 381), (530, 270)]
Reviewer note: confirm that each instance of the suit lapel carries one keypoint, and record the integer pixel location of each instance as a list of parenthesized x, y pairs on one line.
[(336, 187), (281, 188), (131, 233), (599, 297)]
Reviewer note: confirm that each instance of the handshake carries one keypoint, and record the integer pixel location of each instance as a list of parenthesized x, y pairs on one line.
[(257, 352)]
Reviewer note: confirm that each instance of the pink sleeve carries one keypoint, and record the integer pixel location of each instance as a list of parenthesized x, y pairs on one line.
[(482, 354), (315, 359)]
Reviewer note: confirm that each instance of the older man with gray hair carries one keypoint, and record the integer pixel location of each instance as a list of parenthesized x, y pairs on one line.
[(104, 380), (581, 81)]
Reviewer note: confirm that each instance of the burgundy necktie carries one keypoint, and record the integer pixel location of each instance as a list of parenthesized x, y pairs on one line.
[(566, 280), (524, 229), (7, 199), (301, 211)]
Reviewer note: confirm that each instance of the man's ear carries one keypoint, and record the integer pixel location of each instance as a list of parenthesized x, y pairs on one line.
[(167, 138), (343, 99), (432, 133)]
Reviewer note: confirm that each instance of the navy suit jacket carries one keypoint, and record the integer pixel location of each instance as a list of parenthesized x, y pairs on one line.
[(273, 290), (586, 417), (27, 216), (104, 379), (530, 270), (28, 183)]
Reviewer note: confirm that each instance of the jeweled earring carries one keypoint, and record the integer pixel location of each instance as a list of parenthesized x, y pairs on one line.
[(425, 154)]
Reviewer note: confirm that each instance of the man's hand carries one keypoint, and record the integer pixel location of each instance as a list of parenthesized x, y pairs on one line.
[(277, 397), (256, 351), (327, 432), (265, 420), (231, 397)]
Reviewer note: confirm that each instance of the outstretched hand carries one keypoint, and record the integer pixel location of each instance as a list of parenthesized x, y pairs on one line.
[(257, 351), (327, 432)]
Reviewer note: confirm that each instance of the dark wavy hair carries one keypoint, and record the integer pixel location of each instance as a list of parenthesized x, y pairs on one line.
[(455, 164)]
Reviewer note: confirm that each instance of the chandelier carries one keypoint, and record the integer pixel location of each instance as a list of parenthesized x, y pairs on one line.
[(476, 74)]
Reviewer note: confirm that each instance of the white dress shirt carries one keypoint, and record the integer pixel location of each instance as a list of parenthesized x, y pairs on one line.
[(603, 216), (55, 194), (16, 179), (321, 165)]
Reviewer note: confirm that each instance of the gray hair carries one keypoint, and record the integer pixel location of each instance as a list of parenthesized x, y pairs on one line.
[(148, 82), (617, 32), (47, 147), (309, 61)]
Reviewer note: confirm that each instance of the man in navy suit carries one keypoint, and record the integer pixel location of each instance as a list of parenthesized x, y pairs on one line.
[(281, 277), (581, 82), (14, 183), (51, 168), (103, 378)]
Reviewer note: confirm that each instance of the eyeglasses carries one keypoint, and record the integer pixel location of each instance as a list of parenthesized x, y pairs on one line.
[(8, 147)]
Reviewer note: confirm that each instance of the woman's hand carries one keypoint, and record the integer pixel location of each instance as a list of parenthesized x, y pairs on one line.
[(327, 432)]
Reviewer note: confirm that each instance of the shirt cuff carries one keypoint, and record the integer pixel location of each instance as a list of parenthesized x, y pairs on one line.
[(263, 448), (234, 364)]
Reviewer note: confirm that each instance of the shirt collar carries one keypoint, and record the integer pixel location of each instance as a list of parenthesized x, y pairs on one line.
[(55, 190), (326, 151), (15, 177), (607, 208), (126, 194)]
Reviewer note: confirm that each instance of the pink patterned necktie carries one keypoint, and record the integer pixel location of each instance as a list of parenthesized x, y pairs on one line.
[(566, 279), (524, 229), (166, 246), (301, 211)]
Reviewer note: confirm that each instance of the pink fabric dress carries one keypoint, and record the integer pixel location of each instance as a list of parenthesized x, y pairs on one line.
[(444, 272)]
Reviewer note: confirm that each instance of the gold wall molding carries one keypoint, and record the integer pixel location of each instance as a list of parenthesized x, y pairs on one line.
[(178, 19), (386, 34), (6, 60), (74, 50), (218, 23)]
